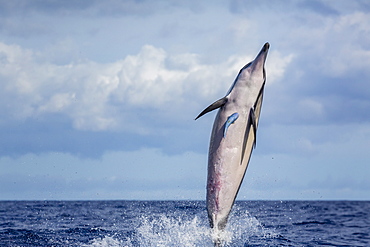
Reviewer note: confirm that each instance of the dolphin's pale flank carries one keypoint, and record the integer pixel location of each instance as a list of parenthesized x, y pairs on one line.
[(233, 139)]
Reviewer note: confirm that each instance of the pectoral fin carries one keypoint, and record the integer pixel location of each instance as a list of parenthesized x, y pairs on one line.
[(213, 106)]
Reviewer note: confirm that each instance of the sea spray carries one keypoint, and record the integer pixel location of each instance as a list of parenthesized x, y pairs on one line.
[(172, 231), (240, 229), (107, 241), (180, 230), (133, 223)]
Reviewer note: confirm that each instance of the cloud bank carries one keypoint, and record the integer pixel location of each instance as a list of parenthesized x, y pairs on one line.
[(102, 85)]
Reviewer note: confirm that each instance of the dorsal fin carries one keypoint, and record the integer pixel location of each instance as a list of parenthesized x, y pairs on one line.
[(254, 124), (247, 135), (253, 120), (213, 106), (258, 104)]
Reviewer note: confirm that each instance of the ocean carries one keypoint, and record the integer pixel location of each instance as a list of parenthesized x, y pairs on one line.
[(183, 223)]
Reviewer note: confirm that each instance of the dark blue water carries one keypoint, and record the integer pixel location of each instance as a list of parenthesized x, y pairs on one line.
[(182, 223)]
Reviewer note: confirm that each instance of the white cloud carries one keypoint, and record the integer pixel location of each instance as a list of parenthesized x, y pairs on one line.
[(347, 38), (75, 66), (58, 102), (93, 95), (333, 45), (144, 79), (276, 66)]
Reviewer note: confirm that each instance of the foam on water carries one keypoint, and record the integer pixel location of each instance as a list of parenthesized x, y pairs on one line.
[(162, 230), (168, 231), (242, 226), (106, 242)]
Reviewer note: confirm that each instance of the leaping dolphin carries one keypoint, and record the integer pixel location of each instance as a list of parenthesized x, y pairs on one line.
[(233, 139)]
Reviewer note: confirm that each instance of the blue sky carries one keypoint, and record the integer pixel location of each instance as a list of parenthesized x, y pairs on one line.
[(98, 99)]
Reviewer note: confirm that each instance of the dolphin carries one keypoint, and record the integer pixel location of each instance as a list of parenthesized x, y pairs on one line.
[(233, 139)]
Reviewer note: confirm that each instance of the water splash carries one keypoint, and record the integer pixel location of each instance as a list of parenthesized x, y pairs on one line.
[(177, 231), (107, 241), (168, 231), (240, 229), (162, 230)]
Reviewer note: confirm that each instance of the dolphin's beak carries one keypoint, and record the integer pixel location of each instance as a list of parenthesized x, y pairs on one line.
[(259, 62), (262, 54)]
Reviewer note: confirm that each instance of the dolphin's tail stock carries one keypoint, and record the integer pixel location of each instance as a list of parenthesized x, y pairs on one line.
[(216, 238), (217, 243)]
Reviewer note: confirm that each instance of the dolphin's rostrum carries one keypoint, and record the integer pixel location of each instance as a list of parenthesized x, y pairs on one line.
[(228, 157)]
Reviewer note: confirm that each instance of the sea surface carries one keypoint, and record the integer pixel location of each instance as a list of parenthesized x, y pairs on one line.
[(183, 223)]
